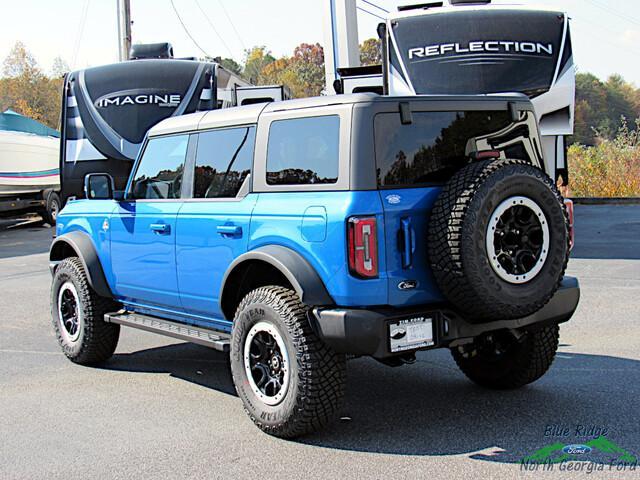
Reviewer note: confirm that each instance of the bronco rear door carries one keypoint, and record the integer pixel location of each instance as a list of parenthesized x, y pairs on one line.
[(416, 153)]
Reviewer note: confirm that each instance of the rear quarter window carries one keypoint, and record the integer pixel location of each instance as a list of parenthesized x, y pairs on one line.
[(436, 144), (303, 151)]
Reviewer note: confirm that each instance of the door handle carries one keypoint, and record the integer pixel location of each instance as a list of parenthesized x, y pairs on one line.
[(229, 230), (160, 227), (409, 242)]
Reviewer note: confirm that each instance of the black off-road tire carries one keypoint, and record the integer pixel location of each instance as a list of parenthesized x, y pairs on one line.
[(457, 240), (53, 206), (317, 374), (97, 339), (524, 362)]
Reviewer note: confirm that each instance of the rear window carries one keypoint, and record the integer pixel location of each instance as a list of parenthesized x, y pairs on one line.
[(303, 151), (436, 144)]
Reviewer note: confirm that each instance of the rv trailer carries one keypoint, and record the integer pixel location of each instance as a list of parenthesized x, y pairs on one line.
[(107, 110), (472, 47)]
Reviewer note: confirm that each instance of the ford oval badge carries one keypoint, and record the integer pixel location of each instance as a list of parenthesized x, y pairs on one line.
[(393, 199), (407, 285), (577, 449)]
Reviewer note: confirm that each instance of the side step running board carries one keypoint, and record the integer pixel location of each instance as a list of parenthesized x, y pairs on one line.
[(201, 336)]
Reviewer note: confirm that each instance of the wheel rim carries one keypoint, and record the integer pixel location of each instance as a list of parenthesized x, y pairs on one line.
[(266, 363), (69, 311), (54, 210), (517, 240)]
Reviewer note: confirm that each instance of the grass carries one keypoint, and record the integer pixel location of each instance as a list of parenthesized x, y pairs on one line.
[(609, 169)]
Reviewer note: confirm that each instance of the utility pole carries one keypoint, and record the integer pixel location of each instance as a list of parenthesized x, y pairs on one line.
[(124, 29)]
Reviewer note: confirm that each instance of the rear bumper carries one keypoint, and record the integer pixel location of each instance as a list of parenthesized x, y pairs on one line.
[(366, 332)]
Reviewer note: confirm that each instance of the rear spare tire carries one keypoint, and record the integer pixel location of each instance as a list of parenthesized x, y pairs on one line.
[(498, 240)]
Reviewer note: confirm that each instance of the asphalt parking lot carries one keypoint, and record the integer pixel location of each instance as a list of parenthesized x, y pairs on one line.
[(160, 408)]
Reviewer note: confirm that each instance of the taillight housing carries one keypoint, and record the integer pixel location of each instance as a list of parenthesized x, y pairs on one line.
[(569, 206), (362, 244)]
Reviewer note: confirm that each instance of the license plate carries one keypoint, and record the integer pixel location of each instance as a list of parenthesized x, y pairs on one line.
[(411, 334)]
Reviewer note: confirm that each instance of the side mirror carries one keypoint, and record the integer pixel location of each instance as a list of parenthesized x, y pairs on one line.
[(98, 186)]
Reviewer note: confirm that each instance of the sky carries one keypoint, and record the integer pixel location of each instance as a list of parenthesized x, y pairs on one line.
[(606, 33)]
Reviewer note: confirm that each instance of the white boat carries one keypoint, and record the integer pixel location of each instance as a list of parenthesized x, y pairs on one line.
[(29, 163)]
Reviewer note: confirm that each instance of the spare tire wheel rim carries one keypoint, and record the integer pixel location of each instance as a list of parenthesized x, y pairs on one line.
[(69, 311), (266, 363), (517, 240)]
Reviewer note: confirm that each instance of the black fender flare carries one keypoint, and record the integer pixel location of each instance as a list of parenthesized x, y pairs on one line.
[(84, 249), (297, 270)]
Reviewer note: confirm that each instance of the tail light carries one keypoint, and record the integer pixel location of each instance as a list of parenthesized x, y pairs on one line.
[(569, 206), (363, 246)]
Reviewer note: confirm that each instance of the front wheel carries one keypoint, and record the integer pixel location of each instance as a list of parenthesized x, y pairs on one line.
[(289, 381), (77, 312), (502, 360)]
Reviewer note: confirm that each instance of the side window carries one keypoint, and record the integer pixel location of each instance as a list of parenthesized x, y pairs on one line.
[(303, 151), (159, 174), (223, 161)]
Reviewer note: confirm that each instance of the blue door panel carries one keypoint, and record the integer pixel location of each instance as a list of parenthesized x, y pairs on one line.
[(210, 234), (143, 253)]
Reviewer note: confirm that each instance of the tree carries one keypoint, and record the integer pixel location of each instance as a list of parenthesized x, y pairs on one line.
[(27, 90), (302, 73), (370, 52), (256, 59), (231, 65), (59, 68), (20, 62), (308, 65), (602, 106)]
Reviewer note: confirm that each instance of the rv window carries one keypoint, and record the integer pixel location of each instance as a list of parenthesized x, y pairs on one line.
[(436, 144), (159, 175), (303, 151), (223, 161)]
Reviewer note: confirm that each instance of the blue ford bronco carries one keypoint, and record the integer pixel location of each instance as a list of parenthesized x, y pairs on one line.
[(295, 235)]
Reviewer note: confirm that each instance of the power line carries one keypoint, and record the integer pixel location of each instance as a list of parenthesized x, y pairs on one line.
[(618, 14), (224, 10), (187, 31), (376, 6), (214, 29), (83, 21), (370, 13), (604, 38)]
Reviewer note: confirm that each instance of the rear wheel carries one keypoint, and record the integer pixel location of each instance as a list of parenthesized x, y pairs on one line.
[(52, 207), (77, 312), (289, 381), (502, 360), (498, 240)]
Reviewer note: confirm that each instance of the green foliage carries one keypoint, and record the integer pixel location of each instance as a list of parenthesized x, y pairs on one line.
[(370, 52), (231, 65), (601, 106), (256, 59), (611, 168)]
